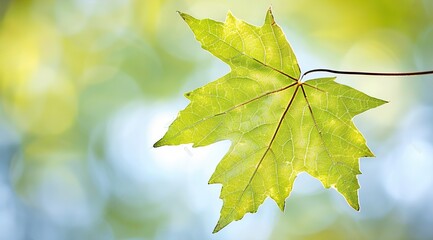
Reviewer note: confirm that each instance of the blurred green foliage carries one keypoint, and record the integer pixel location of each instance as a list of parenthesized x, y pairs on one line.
[(82, 83)]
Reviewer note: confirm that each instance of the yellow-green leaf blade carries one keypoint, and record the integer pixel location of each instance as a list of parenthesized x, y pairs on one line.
[(278, 126)]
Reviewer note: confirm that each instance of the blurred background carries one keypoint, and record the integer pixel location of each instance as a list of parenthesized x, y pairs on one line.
[(87, 86)]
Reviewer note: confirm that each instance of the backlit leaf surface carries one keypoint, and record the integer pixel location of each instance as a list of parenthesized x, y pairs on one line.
[(279, 126)]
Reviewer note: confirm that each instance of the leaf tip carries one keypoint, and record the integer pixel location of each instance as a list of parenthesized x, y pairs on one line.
[(158, 144), (223, 221), (270, 9), (354, 204), (379, 102), (188, 94), (269, 17), (230, 17), (184, 16), (181, 14), (282, 205), (217, 228), (384, 102)]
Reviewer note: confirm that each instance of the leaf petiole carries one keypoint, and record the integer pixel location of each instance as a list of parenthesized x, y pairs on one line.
[(384, 74)]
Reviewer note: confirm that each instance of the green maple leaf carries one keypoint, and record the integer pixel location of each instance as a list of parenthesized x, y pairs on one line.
[(278, 125)]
